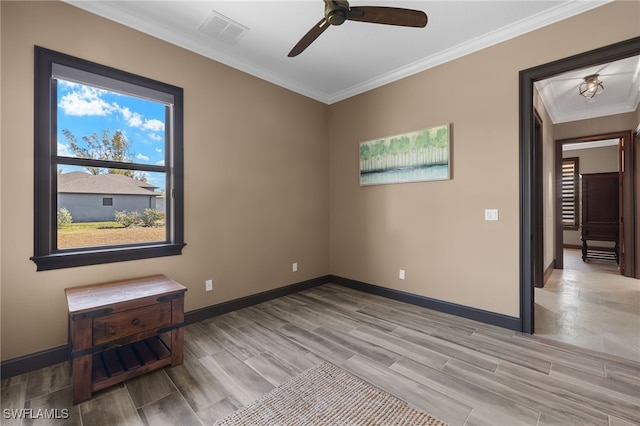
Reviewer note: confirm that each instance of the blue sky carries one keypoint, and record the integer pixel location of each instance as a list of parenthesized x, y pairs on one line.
[(85, 110)]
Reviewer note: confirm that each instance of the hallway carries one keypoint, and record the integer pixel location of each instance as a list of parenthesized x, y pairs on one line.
[(590, 305)]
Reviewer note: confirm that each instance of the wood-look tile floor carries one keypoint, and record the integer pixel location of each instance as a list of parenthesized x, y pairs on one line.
[(461, 371), (589, 304)]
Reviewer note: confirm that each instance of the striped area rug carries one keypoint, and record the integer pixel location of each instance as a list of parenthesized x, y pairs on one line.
[(326, 395)]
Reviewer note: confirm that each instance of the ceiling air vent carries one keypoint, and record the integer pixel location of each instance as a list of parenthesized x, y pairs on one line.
[(222, 28)]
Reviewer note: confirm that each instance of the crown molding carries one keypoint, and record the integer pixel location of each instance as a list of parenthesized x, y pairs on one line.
[(548, 17)]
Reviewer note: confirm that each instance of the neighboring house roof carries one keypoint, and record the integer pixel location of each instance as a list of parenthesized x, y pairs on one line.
[(85, 183), (127, 180)]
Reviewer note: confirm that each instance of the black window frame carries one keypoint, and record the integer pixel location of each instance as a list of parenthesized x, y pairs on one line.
[(46, 255), (107, 201)]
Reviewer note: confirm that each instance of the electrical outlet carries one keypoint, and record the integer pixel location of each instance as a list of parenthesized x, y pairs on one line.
[(208, 285), (401, 274), (294, 267)]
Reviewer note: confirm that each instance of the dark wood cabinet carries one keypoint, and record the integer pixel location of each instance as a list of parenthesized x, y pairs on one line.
[(121, 329), (600, 215)]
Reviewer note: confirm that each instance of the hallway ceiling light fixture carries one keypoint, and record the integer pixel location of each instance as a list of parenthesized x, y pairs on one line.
[(591, 86)]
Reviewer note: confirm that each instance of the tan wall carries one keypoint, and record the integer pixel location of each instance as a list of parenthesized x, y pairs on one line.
[(597, 160), (436, 230), (256, 174), (594, 126)]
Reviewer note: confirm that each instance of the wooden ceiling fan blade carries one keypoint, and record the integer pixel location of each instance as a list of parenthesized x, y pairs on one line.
[(309, 37), (388, 16)]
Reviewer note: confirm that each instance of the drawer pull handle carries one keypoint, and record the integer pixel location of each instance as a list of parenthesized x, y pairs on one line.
[(135, 321)]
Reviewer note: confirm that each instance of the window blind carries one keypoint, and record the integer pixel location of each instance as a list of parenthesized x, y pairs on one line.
[(570, 192)]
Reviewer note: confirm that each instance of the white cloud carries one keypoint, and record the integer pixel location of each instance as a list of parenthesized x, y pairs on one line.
[(67, 84), (64, 150), (153, 125), (126, 112), (134, 119), (158, 150), (85, 101), (81, 100), (142, 157), (160, 163)]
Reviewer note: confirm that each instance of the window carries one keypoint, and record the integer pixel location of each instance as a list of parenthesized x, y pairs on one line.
[(108, 164), (570, 193)]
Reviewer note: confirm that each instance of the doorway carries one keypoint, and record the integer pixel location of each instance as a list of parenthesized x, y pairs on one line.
[(530, 221), (606, 154)]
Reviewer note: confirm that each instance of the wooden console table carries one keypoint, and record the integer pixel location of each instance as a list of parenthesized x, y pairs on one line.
[(121, 329)]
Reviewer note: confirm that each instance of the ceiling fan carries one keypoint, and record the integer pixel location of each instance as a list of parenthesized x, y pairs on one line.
[(338, 11)]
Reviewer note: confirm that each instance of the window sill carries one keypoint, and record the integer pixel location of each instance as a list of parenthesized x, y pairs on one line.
[(70, 259)]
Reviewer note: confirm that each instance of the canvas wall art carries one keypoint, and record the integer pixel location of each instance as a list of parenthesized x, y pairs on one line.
[(418, 156)]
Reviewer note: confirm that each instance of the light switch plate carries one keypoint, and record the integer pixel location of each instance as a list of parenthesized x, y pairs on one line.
[(490, 214)]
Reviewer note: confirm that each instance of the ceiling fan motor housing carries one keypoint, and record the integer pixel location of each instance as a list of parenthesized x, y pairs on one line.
[(335, 12)]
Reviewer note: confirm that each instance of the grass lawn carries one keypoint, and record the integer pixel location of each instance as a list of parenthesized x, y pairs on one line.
[(89, 234)]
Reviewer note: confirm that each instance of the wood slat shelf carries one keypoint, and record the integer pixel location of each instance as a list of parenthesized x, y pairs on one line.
[(127, 358), (609, 255)]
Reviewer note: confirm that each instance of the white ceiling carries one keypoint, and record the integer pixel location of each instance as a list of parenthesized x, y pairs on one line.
[(621, 94), (355, 57)]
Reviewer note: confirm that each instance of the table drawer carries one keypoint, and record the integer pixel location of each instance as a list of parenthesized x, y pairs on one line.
[(115, 326)]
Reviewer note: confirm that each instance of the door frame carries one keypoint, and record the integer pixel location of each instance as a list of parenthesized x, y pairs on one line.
[(529, 199), (538, 236)]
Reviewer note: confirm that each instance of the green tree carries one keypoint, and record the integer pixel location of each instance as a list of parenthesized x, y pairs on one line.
[(365, 152), (442, 137), (423, 139), (394, 146), (405, 144), (109, 147), (379, 148)]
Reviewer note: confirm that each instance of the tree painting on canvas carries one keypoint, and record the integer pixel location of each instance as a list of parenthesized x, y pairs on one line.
[(418, 156)]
